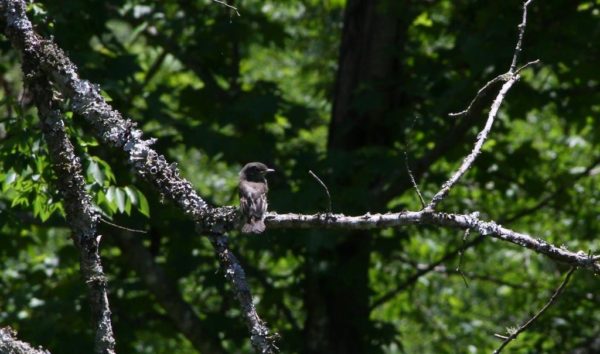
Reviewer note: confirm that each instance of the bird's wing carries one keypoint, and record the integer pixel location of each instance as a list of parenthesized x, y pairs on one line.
[(260, 206), (253, 199)]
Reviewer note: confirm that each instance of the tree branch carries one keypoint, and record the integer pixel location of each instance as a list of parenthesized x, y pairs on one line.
[(424, 217), (518, 47), (11, 345), (86, 100), (262, 340), (528, 324), (165, 291), (113, 129), (510, 78), (81, 215), (481, 137)]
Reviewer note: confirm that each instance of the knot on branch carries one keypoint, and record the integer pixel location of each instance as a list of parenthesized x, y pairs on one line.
[(97, 280)]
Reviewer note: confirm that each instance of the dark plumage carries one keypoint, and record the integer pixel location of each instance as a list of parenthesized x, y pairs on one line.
[(253, 190)]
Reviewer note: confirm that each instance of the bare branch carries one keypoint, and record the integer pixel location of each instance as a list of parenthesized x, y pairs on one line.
[(483, 277), (167, 294), (513, 66), (425, 217), (442, 269), (518, 47), (435, 266), (227, 5), (480, 94), (528, 64), (271, 288), (10, 344), (481, 137), (510, 78), (528, 324)]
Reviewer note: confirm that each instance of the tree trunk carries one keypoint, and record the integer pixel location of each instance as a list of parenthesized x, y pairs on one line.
[(337, 283)]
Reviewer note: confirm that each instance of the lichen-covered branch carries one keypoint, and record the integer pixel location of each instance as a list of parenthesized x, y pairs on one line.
[(262, 340), (85, 99), (425, 217), (167, 294), (11, 345), (81, 215)]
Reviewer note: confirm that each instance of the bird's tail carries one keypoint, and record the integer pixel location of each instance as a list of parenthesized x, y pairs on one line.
[(254, 227)]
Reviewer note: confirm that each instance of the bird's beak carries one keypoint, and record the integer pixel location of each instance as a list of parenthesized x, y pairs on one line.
[(270, 170)]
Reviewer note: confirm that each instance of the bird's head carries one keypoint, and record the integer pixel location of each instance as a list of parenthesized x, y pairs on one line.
[(255, 171)]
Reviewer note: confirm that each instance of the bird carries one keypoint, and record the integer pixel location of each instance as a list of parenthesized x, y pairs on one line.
[(253, 190)]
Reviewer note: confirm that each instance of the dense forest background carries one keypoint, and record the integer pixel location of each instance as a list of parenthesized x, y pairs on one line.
[(353, 90)]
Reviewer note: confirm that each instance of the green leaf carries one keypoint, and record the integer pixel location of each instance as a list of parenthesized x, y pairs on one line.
[(10, 177), (100, 197), (120, 199), (128, 206), (110, 198), (105, 167), (94, 171), (143, 206), (37, 206), (131, 194), (20, 200)]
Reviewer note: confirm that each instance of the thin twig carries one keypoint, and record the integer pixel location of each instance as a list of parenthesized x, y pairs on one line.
[(479, 94), (526, 65), (229, 6), (460, 257), (518, 47), (510, 77), (123, 227), (324, 187), (527, 324), (412, 180), (442, 269), (500, 78), (481, 138)]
